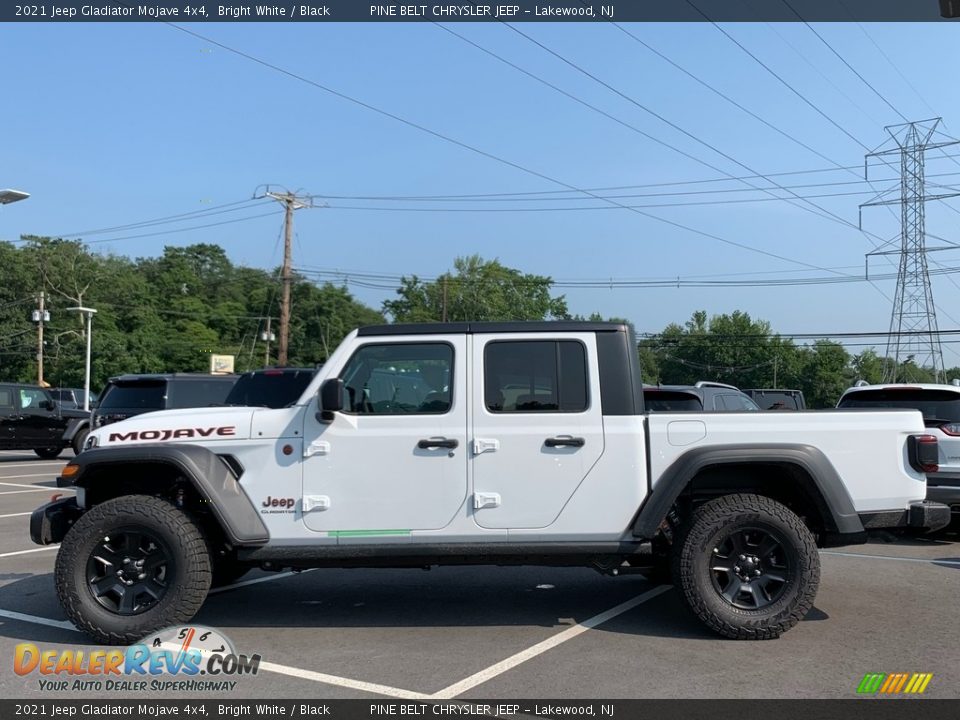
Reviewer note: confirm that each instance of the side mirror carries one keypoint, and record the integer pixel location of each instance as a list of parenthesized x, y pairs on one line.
[(331, 399)]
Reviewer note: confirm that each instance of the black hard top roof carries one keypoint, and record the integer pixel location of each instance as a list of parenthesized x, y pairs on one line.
[(153, 377), (469, 328)]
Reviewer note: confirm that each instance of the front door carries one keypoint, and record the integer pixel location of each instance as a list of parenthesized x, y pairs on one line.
[(395, 458), (37, 426), (537, 426)]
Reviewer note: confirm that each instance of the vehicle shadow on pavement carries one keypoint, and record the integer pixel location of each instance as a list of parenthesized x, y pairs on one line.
[(947, 562)]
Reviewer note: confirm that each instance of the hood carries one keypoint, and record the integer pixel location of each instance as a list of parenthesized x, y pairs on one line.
[(207, 424), (74, 412)]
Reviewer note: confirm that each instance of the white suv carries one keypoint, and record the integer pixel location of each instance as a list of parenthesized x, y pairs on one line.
[(940, 405)]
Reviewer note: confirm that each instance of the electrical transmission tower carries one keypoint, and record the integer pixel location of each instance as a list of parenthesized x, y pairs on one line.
[(914, 339)]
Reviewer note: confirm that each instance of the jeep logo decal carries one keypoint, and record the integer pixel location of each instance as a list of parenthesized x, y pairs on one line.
[(173, 434)]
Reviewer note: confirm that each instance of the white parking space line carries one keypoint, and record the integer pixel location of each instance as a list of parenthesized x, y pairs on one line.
[(32, 550), (541, 647), (13, 515), (4, 465), (891, 557), (62, 624), (36, 489), (287, 670), (257, 581), (23, 485)]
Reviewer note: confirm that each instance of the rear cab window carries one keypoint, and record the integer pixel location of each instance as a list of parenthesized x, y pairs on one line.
[(140, 395), (671, 401), (183, 393), (938, 406)]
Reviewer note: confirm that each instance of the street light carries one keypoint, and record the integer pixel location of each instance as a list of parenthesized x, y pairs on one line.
[(11, 196), (88, 312)]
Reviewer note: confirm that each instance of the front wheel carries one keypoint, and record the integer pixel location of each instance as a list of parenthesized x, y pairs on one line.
[(79, 440), (747, 566), (130, 566)]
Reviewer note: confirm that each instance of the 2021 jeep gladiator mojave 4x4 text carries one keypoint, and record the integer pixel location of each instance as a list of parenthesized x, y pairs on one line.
[(479, 443)]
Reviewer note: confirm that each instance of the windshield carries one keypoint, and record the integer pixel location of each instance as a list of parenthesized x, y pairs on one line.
[(934, 404), (269, 389), (139, 396)]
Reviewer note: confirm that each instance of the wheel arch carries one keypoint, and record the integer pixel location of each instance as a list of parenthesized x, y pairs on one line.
[(187, 474), (799, 476)]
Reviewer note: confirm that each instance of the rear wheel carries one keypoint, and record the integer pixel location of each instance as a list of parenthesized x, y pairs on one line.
[(130, 566), (50, 453), (747, 567)]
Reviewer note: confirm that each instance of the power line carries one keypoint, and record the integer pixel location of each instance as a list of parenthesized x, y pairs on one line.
[(479, 151), (181, 230)]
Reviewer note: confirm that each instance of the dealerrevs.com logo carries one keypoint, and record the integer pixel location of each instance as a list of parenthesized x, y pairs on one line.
[(176, 659), (894, 683)]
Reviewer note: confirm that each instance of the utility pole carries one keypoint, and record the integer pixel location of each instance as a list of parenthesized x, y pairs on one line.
[(291, 201), (914, 334), (40, 316), (444, 298), (267, 336)]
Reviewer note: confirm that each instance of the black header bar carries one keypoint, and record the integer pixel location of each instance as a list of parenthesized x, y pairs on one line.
[(195, 11)]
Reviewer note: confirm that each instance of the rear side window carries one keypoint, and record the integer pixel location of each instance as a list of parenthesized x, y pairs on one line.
[(669, 401), (934, 404), (134, 396), (198, 393), (535, 376), (6, 398), (269, 389)]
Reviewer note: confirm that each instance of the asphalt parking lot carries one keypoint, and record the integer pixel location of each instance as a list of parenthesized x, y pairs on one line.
[(518, 632)]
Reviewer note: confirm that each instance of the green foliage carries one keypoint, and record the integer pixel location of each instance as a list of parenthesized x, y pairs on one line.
[(477, 290), (156, 314)]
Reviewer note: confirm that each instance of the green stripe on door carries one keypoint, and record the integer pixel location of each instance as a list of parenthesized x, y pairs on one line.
[(365, 533)]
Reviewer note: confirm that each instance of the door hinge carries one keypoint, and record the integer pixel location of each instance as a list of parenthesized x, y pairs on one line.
[(317, 447), (482, 445), (486, 500), (315, 502)]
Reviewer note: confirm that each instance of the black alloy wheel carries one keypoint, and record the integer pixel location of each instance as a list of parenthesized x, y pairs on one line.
[(128, 571), (750, 568)]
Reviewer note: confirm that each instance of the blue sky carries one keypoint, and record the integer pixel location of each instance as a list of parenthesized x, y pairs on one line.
[(109, 124)]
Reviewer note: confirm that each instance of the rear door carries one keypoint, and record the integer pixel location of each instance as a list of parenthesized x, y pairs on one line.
[(537, 425)]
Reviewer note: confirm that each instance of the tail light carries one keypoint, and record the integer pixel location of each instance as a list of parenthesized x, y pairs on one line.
[(951, 429), (923, 453)]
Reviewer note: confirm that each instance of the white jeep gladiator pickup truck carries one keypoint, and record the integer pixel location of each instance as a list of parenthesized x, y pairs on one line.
[(479, 443)]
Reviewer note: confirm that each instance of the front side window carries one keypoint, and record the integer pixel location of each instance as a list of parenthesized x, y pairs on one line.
[(535, 376), (399, 379), (30, 399)]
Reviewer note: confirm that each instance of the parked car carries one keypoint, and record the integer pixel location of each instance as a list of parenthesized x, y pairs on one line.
[(270, 387), (30, 419), (777, 399), (704, 396), (72, 398), (940, 405), (129, 395)]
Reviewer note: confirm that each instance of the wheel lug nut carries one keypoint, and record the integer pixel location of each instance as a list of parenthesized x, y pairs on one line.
[(743, 557), (126, 561), (141, 576), (736, 568), (756, 572)]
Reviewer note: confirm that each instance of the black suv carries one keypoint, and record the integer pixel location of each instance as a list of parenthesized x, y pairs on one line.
[(702, 397), (270, 387), (129, 395), (30, 419)]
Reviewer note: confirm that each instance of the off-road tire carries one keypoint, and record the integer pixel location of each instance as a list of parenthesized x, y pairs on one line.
[(78, 441), (187, 587), (50, 453), (693, 556)]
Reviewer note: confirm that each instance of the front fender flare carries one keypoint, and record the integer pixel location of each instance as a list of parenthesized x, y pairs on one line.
[(209, 474)]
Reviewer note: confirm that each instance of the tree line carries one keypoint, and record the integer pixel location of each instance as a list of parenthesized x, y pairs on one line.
[(169, 313)]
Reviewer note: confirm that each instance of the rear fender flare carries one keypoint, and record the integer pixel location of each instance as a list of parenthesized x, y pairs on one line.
[(839, 516)]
